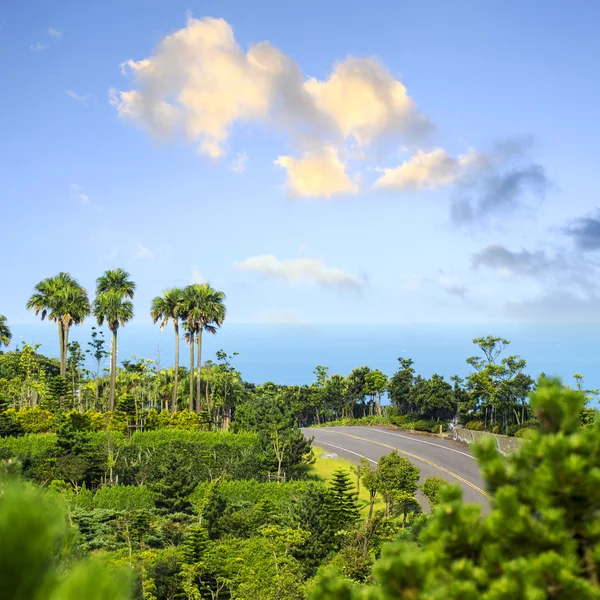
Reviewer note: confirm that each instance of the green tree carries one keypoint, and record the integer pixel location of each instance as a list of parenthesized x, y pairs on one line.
[(5, 334), (344, 500), (167, 307), (397, 475), (431, 487), (113, 305), (204, 309), (375, 385), (65, 303), (37, 552), (540, 538), (98, 352)]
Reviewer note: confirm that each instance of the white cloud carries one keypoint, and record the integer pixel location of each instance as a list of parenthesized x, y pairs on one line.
[(55, 33), (82, 99), (196, 276), (298, 270), (317, 174), (144, 252), (200, 82), (238, 164), (38, 47), (431, 170), (364, 101)]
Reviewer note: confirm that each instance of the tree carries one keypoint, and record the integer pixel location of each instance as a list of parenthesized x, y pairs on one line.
[(540, 538), (99, 353), (37, 554), (375, 384), (65, 303), (499, 387), (204, 310), (5, 334), (431, 487), (401, 384), (113, 305), (344, 500), (397, 476), (167, 307)]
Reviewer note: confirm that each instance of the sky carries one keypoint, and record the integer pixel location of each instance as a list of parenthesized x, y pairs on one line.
[(336, 163)]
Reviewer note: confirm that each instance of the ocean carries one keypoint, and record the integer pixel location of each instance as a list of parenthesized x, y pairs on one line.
[(288, 354)]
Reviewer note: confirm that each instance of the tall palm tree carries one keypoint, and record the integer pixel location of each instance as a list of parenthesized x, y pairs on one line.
[(205, 311), (112, 304), (188, 336), (5, 334), (64, 302), (164, 308)]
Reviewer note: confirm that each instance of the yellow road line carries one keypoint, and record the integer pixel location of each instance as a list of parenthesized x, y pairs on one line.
[(440, 468)]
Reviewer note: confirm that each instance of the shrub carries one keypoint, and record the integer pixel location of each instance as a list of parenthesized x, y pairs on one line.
[(435, 427), (35, 420), (496, 429), (476, 425), (525, 433), (422, 425), (124, 497)]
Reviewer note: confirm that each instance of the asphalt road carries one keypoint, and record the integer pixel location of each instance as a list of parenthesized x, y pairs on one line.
[(452, 460)]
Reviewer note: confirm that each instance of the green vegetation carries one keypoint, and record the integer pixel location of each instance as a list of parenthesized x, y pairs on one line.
[(145, 483)]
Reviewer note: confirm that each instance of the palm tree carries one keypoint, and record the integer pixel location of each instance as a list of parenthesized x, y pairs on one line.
[(5, 334), (188, 336), (205, 311), (164, 308), (63, 301), (113, 306)]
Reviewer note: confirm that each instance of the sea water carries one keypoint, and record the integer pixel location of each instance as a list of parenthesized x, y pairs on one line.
[(288, 354)]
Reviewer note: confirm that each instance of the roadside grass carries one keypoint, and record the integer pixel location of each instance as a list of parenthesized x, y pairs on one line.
[(323, 469)]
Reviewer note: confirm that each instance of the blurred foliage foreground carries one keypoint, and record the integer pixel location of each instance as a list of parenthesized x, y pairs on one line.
[(539, 540)]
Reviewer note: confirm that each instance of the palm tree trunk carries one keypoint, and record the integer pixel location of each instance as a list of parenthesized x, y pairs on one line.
[(199, 359), (113, 372), (61, 340), (174, 401), (191, 372)]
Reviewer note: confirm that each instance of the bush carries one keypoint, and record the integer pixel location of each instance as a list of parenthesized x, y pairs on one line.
[(525, 433), (476, 425), (422, 425), (496, 429), (124, 497), (435, 427)]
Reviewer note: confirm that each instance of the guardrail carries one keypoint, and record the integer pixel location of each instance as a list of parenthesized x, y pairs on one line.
[(504, 443)]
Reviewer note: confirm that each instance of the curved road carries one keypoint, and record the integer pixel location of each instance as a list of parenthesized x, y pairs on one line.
[(453, 461)]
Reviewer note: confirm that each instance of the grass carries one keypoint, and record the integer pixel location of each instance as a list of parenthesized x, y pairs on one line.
[(323, 469)]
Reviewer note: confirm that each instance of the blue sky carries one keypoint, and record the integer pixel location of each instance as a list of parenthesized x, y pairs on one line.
[(436, 160)]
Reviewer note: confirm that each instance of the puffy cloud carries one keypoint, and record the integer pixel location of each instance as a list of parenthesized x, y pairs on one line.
[(201, 82), (502, 187), (507, 262), (430, 170), (317, 174), (297, 270), (38, 47), (55, 33), (364, 101), (585, 232)]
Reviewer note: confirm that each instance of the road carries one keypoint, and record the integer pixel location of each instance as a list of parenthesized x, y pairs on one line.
[(433, 456)]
